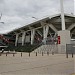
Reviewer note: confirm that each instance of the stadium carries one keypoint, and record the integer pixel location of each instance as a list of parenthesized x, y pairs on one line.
[(45, 46), (41, 35)]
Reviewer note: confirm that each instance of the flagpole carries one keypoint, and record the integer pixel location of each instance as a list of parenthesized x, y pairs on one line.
[(62, 15)]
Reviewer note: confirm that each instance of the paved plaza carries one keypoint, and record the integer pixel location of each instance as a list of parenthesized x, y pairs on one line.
[(56, 64)]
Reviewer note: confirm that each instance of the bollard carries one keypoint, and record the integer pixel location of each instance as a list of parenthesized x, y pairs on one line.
[(48, 53), (13, 54), (66, 55), (52, 53), (6, 54), (0, 54), (29, 54), (72, 55), (36, 53), (21, 54), (42, 53)]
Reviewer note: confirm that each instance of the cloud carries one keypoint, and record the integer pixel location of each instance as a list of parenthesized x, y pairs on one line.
[(17, 13), (74, 6), (69, 6)]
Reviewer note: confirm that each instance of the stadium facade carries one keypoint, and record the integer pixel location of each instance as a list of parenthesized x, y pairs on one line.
[(46, 31)]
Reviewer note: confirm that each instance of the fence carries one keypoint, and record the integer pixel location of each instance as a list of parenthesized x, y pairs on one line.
[(70, 48)]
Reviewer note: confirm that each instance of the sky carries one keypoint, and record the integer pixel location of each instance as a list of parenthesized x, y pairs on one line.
[(18, 13)]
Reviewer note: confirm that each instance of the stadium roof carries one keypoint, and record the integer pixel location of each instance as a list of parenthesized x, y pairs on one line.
[(54, 20)]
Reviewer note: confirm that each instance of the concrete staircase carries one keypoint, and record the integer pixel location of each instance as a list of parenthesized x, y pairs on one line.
[(47, 48)]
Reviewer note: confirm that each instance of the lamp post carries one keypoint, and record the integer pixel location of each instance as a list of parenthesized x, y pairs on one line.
[(0, 19)]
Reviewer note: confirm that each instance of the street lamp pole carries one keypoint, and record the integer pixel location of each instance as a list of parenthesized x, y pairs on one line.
[(0, 19)]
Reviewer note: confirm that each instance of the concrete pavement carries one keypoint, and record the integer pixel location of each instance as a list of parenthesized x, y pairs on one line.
[(56, 64)]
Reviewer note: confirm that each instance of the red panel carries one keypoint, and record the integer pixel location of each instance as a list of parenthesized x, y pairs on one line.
[(58, 39)]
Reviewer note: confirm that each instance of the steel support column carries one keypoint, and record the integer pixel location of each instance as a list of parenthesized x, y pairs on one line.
[(16, 41), (32, 35)]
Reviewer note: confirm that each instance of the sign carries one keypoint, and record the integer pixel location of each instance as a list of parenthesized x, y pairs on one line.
[(58, 39)]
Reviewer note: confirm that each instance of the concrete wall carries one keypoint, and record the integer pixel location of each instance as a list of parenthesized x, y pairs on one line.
[(20, 40), (27, 38), (64, 39)]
